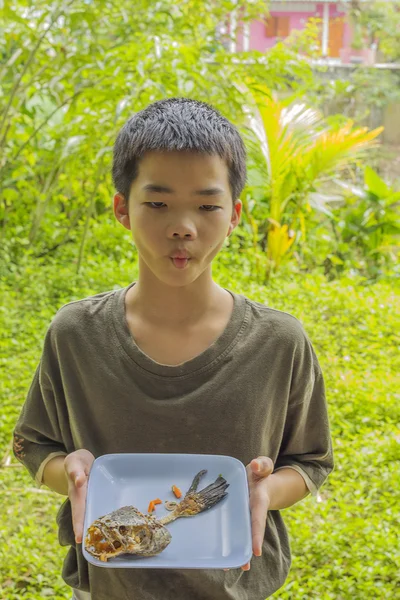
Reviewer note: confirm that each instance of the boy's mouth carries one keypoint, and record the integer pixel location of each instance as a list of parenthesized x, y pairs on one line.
[(180, 263)]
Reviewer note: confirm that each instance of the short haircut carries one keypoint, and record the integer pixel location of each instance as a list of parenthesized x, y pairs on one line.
[(178, 124)]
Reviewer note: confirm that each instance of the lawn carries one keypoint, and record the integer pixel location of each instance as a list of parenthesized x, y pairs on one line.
[(344, 543)]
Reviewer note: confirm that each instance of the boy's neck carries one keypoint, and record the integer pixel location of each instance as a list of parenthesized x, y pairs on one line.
[(167, 307)]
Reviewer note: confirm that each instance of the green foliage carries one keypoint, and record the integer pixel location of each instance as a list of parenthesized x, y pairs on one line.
[(72, 75), (300, 150), (73, 72), (345, 543), (381, 23), (356, 96), (365, 228)]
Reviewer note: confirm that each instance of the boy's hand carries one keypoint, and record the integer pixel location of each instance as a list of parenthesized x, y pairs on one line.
[(77, 468), (257, 472)]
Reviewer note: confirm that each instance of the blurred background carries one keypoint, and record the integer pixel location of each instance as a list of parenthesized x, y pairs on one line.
[(314, 89)]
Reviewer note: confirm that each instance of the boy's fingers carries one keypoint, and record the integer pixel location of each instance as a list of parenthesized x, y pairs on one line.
[(259, 512), (74, 466), (78, 501), (80, 479), (262, 466), (77, 467)]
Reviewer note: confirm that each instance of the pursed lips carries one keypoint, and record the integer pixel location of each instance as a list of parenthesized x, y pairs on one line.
[(181, 255)]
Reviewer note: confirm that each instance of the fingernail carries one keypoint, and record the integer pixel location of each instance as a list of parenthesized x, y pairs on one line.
[(257, 552)]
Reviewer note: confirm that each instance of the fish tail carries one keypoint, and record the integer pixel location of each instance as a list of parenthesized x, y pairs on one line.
[(196, 502), (214, 492)]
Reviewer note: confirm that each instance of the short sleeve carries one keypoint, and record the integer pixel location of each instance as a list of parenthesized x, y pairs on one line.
[(306, 444), (37, 434)]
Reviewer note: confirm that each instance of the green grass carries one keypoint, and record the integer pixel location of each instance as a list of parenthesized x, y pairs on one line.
[(345, 545)]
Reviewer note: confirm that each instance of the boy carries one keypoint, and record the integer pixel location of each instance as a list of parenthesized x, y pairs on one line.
[(175, 363)]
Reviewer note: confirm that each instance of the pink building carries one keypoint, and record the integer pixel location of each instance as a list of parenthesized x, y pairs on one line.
[(336, 35)]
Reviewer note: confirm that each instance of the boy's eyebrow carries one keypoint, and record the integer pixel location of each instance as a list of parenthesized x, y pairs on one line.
[(213, 191)]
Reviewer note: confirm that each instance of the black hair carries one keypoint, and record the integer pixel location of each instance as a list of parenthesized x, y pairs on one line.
[(178, 124)]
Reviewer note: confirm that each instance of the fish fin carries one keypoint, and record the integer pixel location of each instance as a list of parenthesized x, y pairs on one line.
[(196, 481)]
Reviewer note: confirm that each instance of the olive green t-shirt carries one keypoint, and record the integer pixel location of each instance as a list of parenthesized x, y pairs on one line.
[(257, 390)]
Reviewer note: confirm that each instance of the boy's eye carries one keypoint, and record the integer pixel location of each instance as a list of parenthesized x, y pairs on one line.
[(207, 207)]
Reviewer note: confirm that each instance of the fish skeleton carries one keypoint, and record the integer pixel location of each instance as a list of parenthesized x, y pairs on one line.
[(128, 531)]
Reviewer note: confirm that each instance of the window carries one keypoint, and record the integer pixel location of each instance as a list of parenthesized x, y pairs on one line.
[(277, 26)]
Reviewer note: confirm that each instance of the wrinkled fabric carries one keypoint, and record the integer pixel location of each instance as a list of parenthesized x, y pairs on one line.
[(79, 595)]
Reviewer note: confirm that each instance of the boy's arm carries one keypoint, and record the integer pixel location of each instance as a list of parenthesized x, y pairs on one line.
[(285, 488), (38, 434), (306, 445), (305, 456), (54, 475)]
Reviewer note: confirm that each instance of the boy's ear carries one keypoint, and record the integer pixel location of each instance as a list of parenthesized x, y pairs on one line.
[(236, 214), (121, 210)]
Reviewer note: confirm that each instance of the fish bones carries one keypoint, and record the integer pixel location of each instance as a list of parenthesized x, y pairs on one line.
[(127, 530)]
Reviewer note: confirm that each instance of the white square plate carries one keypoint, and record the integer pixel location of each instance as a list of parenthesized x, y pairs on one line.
[(217, 538)]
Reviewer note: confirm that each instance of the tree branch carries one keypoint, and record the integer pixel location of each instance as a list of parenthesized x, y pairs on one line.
[(26, 67)]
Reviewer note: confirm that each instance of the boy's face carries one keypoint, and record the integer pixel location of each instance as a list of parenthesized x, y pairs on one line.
[(163, 222)]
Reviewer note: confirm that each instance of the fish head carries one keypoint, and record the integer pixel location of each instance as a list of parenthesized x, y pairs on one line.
[(126, 530)]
